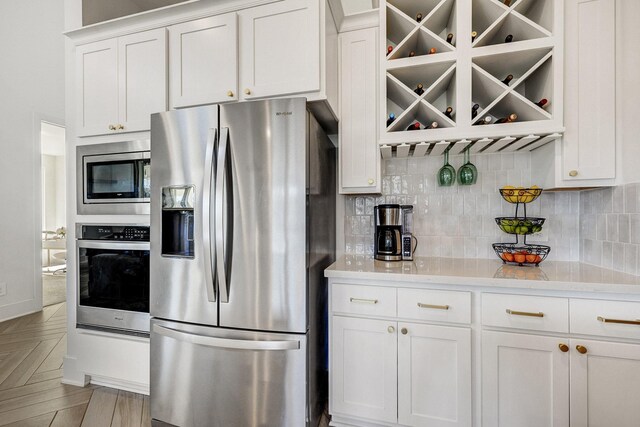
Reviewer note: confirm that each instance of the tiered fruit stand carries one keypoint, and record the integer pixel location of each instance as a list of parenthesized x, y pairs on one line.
[(521, 253)]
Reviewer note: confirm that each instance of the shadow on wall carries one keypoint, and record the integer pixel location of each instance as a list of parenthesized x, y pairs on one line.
[(94, 11)]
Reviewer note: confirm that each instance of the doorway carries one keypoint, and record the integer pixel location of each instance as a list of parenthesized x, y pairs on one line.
[(53, 213)]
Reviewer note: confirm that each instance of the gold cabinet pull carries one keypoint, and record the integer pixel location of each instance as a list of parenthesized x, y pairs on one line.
[(525, 313), (247, 91), (391, 329), (581, 349), (112, 127), (119, 127), (435, 307), (230, 94), (371, 181), (404, 331), (363, 301), (573, 173), (563, 347), (622, 321)]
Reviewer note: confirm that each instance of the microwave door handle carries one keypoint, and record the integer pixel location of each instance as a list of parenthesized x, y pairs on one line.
[(223, 179), (206, 216)]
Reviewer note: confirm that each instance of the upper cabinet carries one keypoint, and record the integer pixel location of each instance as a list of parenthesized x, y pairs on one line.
[(203, 61), (120, 82), (280, 49)]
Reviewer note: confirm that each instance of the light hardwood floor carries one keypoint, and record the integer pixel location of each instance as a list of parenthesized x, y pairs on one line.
[(31, 394)]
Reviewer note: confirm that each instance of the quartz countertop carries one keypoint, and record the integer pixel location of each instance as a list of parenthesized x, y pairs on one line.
[(550, 275)]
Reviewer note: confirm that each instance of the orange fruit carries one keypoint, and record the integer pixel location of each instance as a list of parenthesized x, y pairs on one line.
[(507, 256), (520, 258), (531, 258)]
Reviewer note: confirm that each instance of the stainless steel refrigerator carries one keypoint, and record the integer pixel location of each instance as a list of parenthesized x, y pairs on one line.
[(242, 227)]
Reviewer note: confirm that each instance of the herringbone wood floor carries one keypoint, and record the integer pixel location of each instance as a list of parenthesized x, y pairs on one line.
[(31, 395)]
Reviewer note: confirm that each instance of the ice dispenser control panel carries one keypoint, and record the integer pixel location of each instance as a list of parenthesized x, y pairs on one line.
[(177, 221)]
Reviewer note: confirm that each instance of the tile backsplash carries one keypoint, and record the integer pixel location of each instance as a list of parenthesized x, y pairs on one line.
[(458, 221)]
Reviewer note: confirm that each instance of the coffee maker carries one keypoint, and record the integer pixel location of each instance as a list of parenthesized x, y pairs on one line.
[(393, 240)]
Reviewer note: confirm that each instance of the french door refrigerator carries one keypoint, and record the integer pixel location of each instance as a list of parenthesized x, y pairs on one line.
[(242, 228)]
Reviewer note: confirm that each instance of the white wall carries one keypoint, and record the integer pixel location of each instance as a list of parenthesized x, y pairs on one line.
[(32, 84)]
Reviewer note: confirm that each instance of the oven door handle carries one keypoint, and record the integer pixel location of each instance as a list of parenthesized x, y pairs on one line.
[(206, 217), (115, 245)]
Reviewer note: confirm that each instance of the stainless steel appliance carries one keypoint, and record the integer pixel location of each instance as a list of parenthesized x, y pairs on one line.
[(113, 277), (393, 230), (242, 227), (113, 178)]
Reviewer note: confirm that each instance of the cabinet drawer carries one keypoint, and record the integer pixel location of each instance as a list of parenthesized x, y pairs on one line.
[(427, 304), (369, 300), (525, 312), (608, 318)]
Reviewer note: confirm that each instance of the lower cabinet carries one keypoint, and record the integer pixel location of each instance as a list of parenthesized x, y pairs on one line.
[(401, 372)]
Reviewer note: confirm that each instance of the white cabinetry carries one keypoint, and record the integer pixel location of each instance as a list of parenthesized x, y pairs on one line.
[(203, 61), (120, 82), (359, 154)]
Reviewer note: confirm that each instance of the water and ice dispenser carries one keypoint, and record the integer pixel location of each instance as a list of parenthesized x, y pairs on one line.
[(177, 221)]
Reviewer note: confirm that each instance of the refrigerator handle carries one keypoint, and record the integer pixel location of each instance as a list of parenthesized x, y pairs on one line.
[(223, 180), (238, 344), (206, 216)]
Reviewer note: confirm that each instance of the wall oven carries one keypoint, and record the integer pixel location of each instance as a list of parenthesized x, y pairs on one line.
[(113, 277), (114, 178)]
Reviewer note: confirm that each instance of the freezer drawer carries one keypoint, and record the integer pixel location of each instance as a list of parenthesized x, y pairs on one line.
[(214, 377)]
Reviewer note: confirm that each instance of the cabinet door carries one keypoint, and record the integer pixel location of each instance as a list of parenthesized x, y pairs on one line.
[(280, 48), (203, 58), (434, 376), (364, 368), (525, 381), (142, 64), (359, 153), (604, 384), (589, 141), (96, 87)]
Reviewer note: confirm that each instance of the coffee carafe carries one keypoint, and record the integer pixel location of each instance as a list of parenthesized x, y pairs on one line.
[(393, 226)]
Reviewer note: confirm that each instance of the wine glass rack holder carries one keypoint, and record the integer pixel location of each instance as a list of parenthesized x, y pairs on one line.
[(463, 72)]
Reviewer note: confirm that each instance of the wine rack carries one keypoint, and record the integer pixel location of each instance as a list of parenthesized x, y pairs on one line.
[(521, 39)]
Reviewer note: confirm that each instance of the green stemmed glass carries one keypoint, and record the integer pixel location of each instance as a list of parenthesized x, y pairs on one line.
[(468, 173), (446, 174)]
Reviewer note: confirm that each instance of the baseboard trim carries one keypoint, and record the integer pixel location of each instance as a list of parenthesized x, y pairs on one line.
[(120, 384), (18, 309)]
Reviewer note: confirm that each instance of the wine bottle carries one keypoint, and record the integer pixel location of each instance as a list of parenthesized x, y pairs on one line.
[(419, 17), (485, 121), (389, 49), (412, 54), (419, 89), (414, 126), (509, 38), (474, 34), (508, 79), (433, 125), (450, 38), (507, 3), (509, 119), (448, 112), (432, 51), (391, 119), (474, 110), (542, 102)]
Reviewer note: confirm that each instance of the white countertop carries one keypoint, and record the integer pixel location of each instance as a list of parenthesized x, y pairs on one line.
[(550, 275)]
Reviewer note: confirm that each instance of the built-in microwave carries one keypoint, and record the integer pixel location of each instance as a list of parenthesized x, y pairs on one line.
[(114, 178)]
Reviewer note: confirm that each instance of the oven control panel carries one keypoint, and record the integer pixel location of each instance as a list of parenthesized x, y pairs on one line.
[(139, 233)]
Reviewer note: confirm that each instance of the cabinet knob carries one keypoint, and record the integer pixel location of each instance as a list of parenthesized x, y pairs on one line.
[(573, 173), (581, 349), (247, 91), (391, 329), (404, 331), (230, 94), (119, 127), (112, 127), (371, 181), (563, 347)]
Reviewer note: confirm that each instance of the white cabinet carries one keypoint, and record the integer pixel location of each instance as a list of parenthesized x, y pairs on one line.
[(604, 384), (120, 82), (359, 155), (203, 61), (525, 380), (364, 368), (434, 375), (280, 48)]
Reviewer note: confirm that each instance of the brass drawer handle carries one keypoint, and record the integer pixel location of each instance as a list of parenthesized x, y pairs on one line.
[(581, 349), (624, 322), (525, 313), (563, 347), (363, 301), (112, 127), (436, 307)]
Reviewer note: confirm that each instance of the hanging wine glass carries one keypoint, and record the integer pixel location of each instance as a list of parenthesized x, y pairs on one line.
[(468, 173), (447, 173)]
